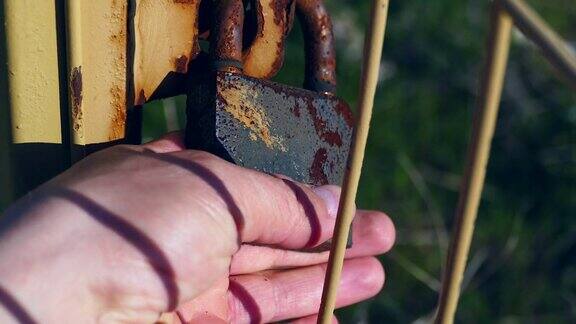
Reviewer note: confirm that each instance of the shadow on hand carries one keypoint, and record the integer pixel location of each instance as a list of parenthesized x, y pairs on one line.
[(209, 178), (309, 211), (246, 300), (155, 256), (218, 185), (14, 308)]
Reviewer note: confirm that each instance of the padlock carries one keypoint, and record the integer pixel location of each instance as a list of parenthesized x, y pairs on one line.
[(301, 133)]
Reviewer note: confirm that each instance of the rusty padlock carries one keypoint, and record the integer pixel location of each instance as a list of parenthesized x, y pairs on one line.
[(301, 133)]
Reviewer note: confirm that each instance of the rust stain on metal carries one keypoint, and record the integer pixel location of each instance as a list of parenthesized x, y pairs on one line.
[(260, 20), (265, 55), (282, 10), (228, 27), (250, 115), (181, 64), (319, 44), (76, 96), (141, 98), (117, 90), (344, 111), (165, 41), (295, 109), (317, 173), (118, 118), (278, 61), (331, 137), (283, 18)]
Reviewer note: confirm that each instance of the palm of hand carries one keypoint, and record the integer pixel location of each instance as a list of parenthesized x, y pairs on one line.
[(184, 231)]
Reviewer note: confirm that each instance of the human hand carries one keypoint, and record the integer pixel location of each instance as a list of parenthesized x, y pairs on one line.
[(134, 231)]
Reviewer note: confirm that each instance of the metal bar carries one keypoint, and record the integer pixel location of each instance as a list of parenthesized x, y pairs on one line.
[(97, 72), (33, 82), (165, 40), (346, 210), (33, 103), (478, 154), (553, 46)]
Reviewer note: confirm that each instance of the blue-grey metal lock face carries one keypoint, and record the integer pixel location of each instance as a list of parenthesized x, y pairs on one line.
[(263, 125), (271, 127)]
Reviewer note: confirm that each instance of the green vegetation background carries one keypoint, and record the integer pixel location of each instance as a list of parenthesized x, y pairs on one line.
[(522, 267)]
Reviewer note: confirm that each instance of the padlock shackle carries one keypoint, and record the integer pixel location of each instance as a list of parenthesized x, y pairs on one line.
[(319, 46), (226, 39), (320, 66)]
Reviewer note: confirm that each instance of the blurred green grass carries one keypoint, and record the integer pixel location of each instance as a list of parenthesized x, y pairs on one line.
[(522, 267)]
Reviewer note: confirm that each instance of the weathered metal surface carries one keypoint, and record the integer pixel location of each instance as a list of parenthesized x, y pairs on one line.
[(273, 21), (97, 62), (227, 33), (265, 125), (320, 72), (271, 127), (32, 62), (32, 118), (165, 41)]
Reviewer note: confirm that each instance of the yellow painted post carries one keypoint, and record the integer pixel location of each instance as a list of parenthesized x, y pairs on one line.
[(97, 39), (33, 71), (32, 104)]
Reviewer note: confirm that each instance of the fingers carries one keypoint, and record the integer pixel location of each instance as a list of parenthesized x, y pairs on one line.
[(288, 214), (171, 142), (276, 296), (373, 234), (265, 209)]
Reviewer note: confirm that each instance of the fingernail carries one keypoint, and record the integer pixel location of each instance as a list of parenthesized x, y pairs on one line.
[(330, 198)]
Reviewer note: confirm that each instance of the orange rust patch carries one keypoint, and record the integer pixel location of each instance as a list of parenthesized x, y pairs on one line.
[(141, 98), (265, 55), (118, 120), (181, 64), (165, 41), (251, 116), (282, 10), (76, 97), (117, 115)]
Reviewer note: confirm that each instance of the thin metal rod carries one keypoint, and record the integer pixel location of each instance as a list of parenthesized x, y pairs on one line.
[(370, 70), (554, 48), (478, 153)]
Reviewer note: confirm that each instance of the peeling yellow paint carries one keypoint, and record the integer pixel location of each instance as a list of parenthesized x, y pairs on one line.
[(97, 46), (266, 54), (165, 35)]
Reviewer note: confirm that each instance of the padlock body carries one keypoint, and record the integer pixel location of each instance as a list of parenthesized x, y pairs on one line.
[(270, 127)]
